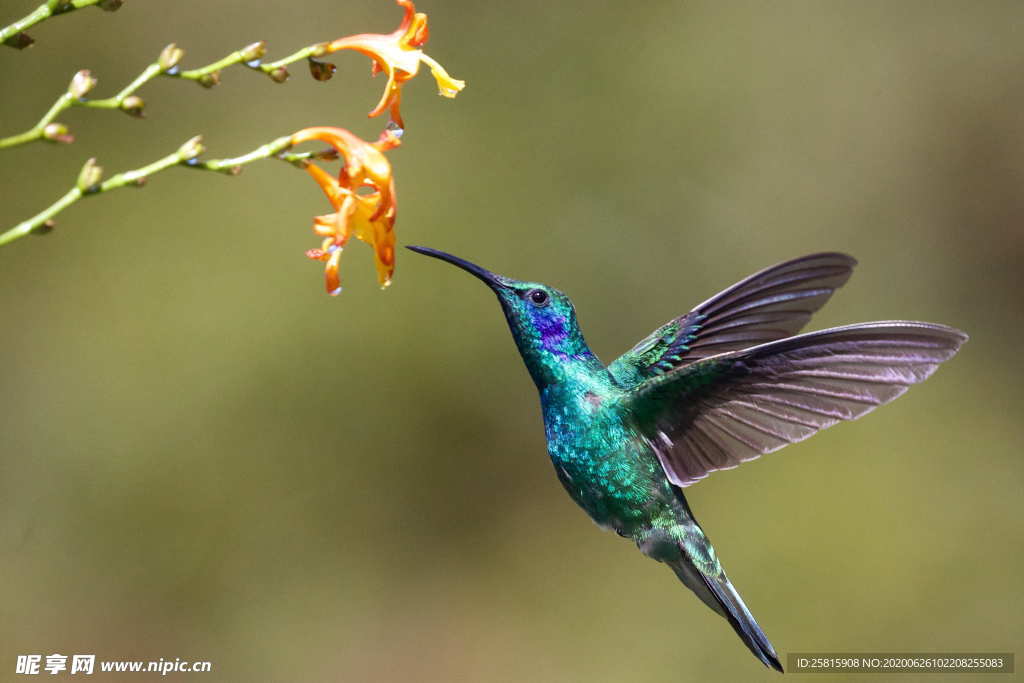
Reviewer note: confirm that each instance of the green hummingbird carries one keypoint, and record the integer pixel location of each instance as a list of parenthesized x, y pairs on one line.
[(720, 385)]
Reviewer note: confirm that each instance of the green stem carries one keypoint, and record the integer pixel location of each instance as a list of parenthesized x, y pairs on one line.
[(236, 57), (38, 14), (36, 132), (21, 138), (305, 53), (206, 75), (37, 221), (148, 74), (41, 13), (232, 166), (185, 156)]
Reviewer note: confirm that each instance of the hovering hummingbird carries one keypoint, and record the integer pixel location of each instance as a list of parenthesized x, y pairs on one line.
[(720, 385)]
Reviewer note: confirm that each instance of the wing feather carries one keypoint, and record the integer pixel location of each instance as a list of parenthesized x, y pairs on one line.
[(733, 407), (772, 304)]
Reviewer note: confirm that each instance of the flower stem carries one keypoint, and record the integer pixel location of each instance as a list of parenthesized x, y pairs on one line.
[(232, 166), (186, 156), (309, 51), (207, 76), (41, 13), (148, 74), (36, 132)]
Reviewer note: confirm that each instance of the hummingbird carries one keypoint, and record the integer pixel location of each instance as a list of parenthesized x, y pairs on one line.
[(723, 384)]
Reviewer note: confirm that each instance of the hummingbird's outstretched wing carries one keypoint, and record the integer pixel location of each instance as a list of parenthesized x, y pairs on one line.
[(772, 304), (723, 410)]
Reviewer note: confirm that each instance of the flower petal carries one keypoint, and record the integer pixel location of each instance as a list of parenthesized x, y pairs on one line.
[(398, 53), (332, 280), (370, 216), (446, 85)]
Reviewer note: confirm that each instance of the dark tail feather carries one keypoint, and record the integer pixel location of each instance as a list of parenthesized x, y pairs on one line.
[(742, 621), (718, 594)]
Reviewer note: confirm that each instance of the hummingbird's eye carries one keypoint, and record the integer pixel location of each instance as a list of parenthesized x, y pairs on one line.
[(538, 297)]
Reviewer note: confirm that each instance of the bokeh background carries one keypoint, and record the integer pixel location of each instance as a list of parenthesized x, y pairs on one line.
[(204, 456)]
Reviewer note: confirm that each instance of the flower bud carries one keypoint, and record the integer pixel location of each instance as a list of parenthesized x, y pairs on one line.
[(19, 41), (81, 84), (132, 105), (209, 80), (110, 5), (254, 51), (278, 75), (44, 227), (90, 176), (170, 56), (192, 148), (59, 6), (57, 132), (327, 154), (321, 71)]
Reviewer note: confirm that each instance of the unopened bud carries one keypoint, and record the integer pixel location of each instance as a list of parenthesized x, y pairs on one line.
[(19, 41), (278, 75), (81, 84), (254, 51), (44, 227), (326, 154), (110, 5), (170, 56), (321, 71), (209, 80), (90, 176), (59, 6), (58, 132), (132, 105), (192, 148)]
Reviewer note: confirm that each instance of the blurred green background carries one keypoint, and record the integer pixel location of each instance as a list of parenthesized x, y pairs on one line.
[(204, 456)]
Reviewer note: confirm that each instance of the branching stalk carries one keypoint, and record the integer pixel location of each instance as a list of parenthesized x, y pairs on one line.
[(167, 65), (187, 155), (14, 35)]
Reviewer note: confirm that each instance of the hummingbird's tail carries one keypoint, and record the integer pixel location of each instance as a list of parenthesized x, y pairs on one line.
[(718, 593)]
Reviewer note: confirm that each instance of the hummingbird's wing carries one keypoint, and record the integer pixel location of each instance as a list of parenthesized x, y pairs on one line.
[(723, 410), (772, 304)]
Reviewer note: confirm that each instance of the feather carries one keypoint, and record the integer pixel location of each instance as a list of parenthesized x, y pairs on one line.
[(772, 304), (726, 409)]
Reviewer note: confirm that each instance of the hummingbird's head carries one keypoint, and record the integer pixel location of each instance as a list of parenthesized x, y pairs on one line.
[(542, 320)]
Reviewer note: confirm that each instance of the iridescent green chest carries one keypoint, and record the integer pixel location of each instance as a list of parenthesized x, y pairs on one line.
[(607, 468)]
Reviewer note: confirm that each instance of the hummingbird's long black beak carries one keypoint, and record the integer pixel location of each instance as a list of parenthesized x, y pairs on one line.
[(487, 276)]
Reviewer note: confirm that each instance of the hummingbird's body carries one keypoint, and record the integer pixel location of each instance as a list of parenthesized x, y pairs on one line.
[(706, 391), (599, 458)]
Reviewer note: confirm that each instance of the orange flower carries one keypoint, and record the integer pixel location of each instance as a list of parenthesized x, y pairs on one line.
[(363, 197), (398, 54)]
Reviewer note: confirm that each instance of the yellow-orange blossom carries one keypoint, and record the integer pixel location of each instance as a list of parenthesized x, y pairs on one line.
[(363, 194), (398, 54), (363, 197)]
